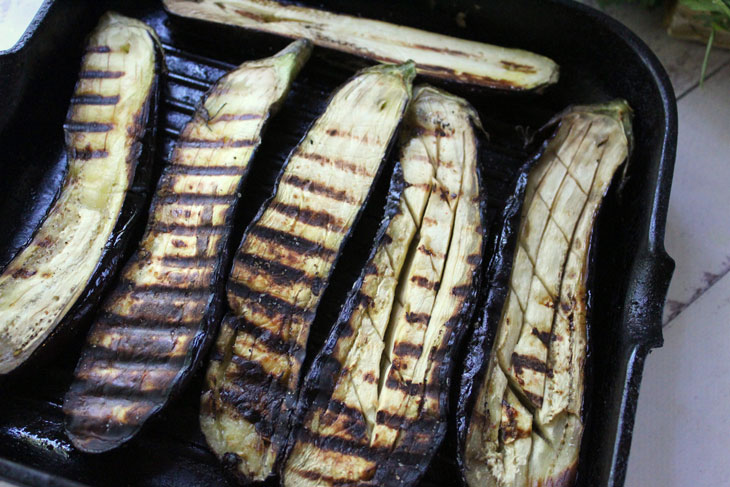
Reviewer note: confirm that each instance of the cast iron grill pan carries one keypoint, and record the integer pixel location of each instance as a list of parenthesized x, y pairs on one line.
[(629, 254)]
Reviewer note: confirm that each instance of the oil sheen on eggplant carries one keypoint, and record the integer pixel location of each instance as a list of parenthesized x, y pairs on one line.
[(435, 55), (283, 265), (156, 324), (525, 421), (376, 398), (58, 279)]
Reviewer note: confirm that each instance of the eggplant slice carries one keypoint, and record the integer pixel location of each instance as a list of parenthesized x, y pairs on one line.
[(54, 283), (435, 55), (283, 265), (155, 326), (376, 398), (526, 424)]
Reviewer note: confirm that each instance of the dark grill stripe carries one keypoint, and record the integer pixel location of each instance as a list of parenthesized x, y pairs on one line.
[(543, 336), (406, 349), (128, 323), (206, 170), (267, 301), (521, 362), (169, 292), (215, 144), (279, 273), (94, 100), (73, 126), (186, 262), (87, 154), (413, 425), (296, 244), (197, 199), (337, 163), (424, 282), (272, 341), (94, 74), (461, 290), (418, 318), (186, 230), (315, 218), (319, 188)]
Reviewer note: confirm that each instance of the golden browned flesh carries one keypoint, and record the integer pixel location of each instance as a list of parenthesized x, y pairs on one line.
[(103, 128), (152, 329), (526, 426), (387, 405), (434, 54), (282, 267)]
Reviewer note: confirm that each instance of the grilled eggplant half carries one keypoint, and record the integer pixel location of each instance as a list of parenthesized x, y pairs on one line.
[(435, 55), (55, 282), (376, 397), (283, 264), (156, 324), (524, 419)]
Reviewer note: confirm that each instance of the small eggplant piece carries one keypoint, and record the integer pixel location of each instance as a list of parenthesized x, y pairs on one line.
[(54, 283), (283, 266), (436, 55), (520, 416), (157, 323), (375, 401)]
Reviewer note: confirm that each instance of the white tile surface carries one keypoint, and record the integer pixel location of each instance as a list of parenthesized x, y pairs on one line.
[(698, 229), (15, 15), (682, 432)]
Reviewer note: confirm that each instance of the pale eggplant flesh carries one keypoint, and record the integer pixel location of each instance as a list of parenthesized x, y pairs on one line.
[(524, 421), (436, 55), (283, 265), (155, 326), (376, 398), (54, 283)]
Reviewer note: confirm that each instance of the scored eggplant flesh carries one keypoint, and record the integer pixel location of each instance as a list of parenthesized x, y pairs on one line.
[(435, 55), (283, 264), (377, 394), (156, 324), (105, 124), (526, 425)]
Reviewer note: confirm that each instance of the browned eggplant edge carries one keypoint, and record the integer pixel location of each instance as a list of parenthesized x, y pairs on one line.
[(403, 469), (126, 233), (281, 435)]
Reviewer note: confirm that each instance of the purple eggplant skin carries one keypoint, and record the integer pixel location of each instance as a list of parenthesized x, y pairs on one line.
[(395, 468), (120, 245)]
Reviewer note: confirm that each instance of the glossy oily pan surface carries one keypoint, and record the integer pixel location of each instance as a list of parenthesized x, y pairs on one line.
[(599, 61)]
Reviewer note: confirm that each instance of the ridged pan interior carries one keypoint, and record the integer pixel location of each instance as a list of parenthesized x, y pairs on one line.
[(171, 449)]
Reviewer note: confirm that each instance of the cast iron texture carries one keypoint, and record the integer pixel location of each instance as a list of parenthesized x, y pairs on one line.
[(600, 60)]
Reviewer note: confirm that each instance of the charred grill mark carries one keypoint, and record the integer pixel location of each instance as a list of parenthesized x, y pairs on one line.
[(94, 74), (511, 431), (23, 273), (521, 362), (94, 100), (318, 188), (369, 377), (337, 163), (189, 261), (314, 218), (461, 291), (278, 272), (425, 283), (533, 398), (319, 477), (353, 417), (294, 243), (418, 318), (445, 50), (187, 230), (87, 154), (205, 170), (543, 336), (197, 199), (114, 320), (224, 143), (267, 301), (413, 425), (407, 349), (474, 259), (272, 341), (169, 292), (522, 68), (371, 269), (74, 126), (444, 72)]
